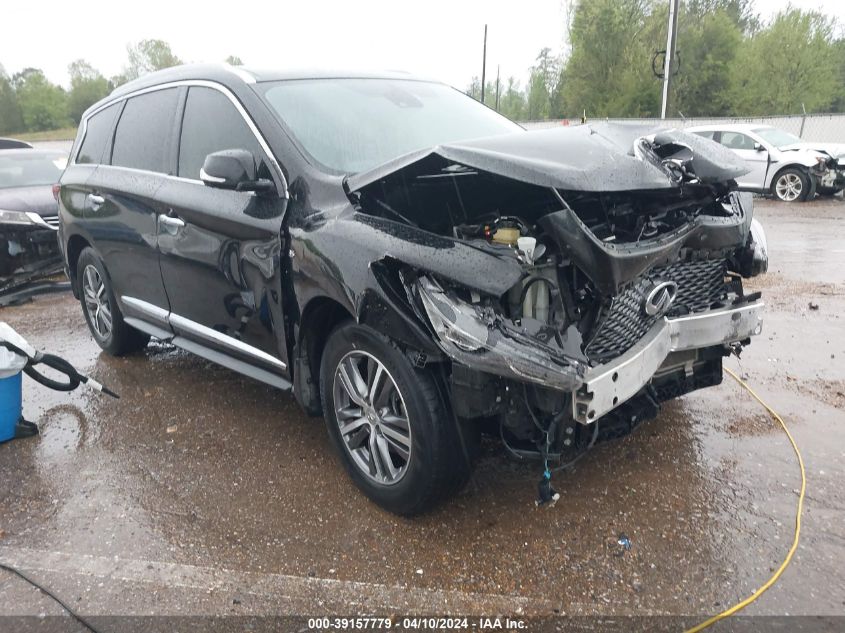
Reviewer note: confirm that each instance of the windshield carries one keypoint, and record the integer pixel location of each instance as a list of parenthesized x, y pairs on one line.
[(351, 125), (30, 168), (776, 137)]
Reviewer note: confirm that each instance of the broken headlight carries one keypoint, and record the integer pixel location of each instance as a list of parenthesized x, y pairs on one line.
[(760, 253), (450, 323), (477, 336)]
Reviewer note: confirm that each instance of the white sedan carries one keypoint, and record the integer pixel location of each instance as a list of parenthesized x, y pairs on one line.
[(781, 163)]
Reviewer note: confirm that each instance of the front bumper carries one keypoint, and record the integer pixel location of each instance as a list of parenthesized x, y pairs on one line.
[(607, 386), (834, 178), (479, 339), (830, 176), (27, 253)]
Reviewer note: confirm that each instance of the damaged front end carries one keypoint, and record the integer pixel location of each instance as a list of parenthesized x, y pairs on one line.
[(829, 173), (29, 248), (479, 336), (629, 250)]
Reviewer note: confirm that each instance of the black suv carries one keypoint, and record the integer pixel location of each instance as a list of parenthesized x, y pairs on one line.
[(339, 236)]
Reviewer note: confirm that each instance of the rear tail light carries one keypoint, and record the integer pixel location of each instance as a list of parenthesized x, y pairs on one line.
[(57, 188)]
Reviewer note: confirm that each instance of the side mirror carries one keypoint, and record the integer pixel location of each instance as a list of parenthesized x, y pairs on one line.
[(233, 169), (759, 147)]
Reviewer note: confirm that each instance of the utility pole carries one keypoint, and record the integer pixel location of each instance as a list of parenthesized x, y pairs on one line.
[(671, 38), (484, 64), (498, 68)]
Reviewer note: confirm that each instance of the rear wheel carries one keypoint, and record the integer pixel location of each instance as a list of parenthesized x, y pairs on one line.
[(387, 419), (100, 308), (791, 185)]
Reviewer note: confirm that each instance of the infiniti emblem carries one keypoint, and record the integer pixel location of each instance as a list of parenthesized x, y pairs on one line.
[(659, 297)]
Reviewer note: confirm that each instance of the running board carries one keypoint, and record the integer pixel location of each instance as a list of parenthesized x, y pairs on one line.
[(147, 328), (210, 354)]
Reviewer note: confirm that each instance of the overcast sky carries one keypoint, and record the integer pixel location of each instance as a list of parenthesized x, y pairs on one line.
[(437, 38)]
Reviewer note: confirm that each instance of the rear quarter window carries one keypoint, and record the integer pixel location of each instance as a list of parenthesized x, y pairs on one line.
[(97, 133), (142, 137)]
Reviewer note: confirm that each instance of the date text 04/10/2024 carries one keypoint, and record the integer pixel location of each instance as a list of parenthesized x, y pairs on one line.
[(416, 624)]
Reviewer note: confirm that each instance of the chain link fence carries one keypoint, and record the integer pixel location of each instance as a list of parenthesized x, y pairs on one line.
[(828, 128)]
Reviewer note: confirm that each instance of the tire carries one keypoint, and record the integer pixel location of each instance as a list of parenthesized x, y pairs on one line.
[(828, 191), (791, 185), (98, 302), (427, 459)]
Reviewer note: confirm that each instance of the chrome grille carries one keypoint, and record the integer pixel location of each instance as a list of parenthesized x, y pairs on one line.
[(622, 322), (52, 221)]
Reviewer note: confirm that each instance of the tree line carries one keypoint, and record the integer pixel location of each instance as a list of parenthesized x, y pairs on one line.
[(29, 102), (731, 63)]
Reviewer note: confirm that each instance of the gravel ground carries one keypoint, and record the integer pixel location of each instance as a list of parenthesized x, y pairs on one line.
[(202, 492)]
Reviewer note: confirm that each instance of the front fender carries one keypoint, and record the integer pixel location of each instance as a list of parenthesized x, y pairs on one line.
[(347, 259)]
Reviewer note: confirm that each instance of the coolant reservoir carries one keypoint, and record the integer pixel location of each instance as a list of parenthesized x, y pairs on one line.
[(506, 235), (536, 301)]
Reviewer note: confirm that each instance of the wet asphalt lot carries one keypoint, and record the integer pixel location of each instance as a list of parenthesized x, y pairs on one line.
[(203, 492)]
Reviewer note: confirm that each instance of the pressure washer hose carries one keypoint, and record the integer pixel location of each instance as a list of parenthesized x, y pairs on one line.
[(61, 366), (74, 378), (774, 578)]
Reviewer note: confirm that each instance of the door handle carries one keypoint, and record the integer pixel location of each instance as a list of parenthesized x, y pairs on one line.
[(95, 201), (170, 220)]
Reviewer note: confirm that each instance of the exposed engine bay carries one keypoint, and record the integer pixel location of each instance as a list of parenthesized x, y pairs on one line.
[(625, 299)]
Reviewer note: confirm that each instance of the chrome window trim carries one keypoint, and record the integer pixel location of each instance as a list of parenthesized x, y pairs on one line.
[(153, 173), (244, 75), (192, 181), (203, 83), (183, 179)]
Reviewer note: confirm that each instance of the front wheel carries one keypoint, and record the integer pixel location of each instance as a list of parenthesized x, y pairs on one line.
[(395, 436), (791, 185)]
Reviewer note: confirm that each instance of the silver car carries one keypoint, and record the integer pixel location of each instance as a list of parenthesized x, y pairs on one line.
[(781, 163)]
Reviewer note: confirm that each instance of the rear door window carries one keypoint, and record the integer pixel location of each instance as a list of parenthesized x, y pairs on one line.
[(708, 134), (142, 137), (97, 134), (211, 123)]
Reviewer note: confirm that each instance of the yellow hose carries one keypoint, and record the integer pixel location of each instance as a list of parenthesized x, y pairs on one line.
[(771, 581)]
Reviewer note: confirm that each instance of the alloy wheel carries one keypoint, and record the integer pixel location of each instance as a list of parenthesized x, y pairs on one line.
[(789, 187), (372, 417), (96, 301)]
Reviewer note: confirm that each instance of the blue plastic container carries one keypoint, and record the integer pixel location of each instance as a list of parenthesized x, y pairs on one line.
[(10, 406)]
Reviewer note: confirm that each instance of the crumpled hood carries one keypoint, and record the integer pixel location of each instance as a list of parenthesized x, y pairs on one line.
[(835, 150), (38, 199), (593, 157)]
